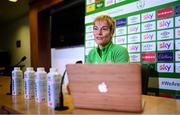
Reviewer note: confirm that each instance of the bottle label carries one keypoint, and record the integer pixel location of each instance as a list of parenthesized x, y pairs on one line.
[(40, 91), (53, 94), (29, 86)]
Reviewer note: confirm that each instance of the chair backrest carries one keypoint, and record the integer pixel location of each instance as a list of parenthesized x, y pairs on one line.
[(146, 68)]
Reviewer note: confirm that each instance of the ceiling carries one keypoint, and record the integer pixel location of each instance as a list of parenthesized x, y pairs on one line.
[(10, 11)]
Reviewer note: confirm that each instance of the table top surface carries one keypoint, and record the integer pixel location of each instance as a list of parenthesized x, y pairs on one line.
[(153, 104)]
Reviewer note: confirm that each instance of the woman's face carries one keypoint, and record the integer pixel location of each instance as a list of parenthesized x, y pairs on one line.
[(102, 33)]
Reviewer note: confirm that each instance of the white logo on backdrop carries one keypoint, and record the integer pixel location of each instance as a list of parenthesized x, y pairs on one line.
[(165, 67), (148, 36), (165, 45), (148, 26), (177, 33), (169, 83), (150, 46), (165, 23), (177, 21), (148, 16), (165, 34), (177, 67), (177, 44)]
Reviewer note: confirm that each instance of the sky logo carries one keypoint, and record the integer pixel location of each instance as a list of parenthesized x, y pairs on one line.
[(121, 40), (149, 36), (134, 48), (166, 23), (148, 16), (165, 45), (165, 67), (134, 29)]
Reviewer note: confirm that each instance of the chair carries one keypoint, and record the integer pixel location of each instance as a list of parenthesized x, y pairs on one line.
[(145, 73)]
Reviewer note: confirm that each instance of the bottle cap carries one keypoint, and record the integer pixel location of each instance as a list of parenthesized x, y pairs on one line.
[(16, 68), (29, 68), (53, 70), (40, 69)]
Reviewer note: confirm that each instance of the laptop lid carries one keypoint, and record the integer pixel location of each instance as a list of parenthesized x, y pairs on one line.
[(106, 86)]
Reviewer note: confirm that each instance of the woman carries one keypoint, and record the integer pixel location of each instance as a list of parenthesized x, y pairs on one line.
[(106, 52)]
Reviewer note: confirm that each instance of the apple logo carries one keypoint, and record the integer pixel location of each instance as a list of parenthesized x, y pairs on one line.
[(102, 87)]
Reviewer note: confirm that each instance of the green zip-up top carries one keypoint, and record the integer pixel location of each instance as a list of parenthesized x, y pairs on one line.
[(111, 53)]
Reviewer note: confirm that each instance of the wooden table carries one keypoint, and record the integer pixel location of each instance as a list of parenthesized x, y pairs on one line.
[(153, 104)]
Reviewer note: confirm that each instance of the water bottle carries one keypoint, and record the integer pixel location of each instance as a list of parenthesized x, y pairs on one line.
[(40, 85), (53, 87), (17, 77), (29, 83)]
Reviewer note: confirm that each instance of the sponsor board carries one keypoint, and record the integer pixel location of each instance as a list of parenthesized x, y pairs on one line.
[(165, 34), (177, 10), (169, 83), (89, 36), (165, 12), (149, 57), (149, 47), (134, 29), (120, 40), (134, 57), (165, 45), (148, 16), (165, 67), (134, 48), (134, 19), (109, 2), (177, 57), (89, 28), (133, 38), (121, 22), (177, 33), (148, 26), (121, 31), (148, 36), (90, 43), (165, 56), (177, 67), (177, 42), (89, 2), (99, 4), (177, 21), (90, 8), (118, 1), (165, 23)]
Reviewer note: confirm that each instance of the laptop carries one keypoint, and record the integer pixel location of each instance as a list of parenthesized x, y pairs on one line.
[(115, 87)]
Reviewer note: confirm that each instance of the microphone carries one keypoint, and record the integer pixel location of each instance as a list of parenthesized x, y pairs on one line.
[(22, 59), (16, 65), (61, 97)]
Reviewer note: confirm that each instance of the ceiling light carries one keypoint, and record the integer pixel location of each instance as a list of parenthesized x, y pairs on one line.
[(13, 0)]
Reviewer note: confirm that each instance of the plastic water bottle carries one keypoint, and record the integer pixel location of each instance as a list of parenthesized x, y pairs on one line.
[(17, 76), (40, 85), (53, 87), (29, 83)]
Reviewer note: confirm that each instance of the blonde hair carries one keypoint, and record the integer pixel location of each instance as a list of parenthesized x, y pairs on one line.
[(110, 21)]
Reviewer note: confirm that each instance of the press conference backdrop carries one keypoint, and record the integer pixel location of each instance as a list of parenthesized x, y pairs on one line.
[(150, 30)]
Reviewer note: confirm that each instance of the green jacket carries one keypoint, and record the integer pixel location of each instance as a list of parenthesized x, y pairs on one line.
[(111, 53)]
